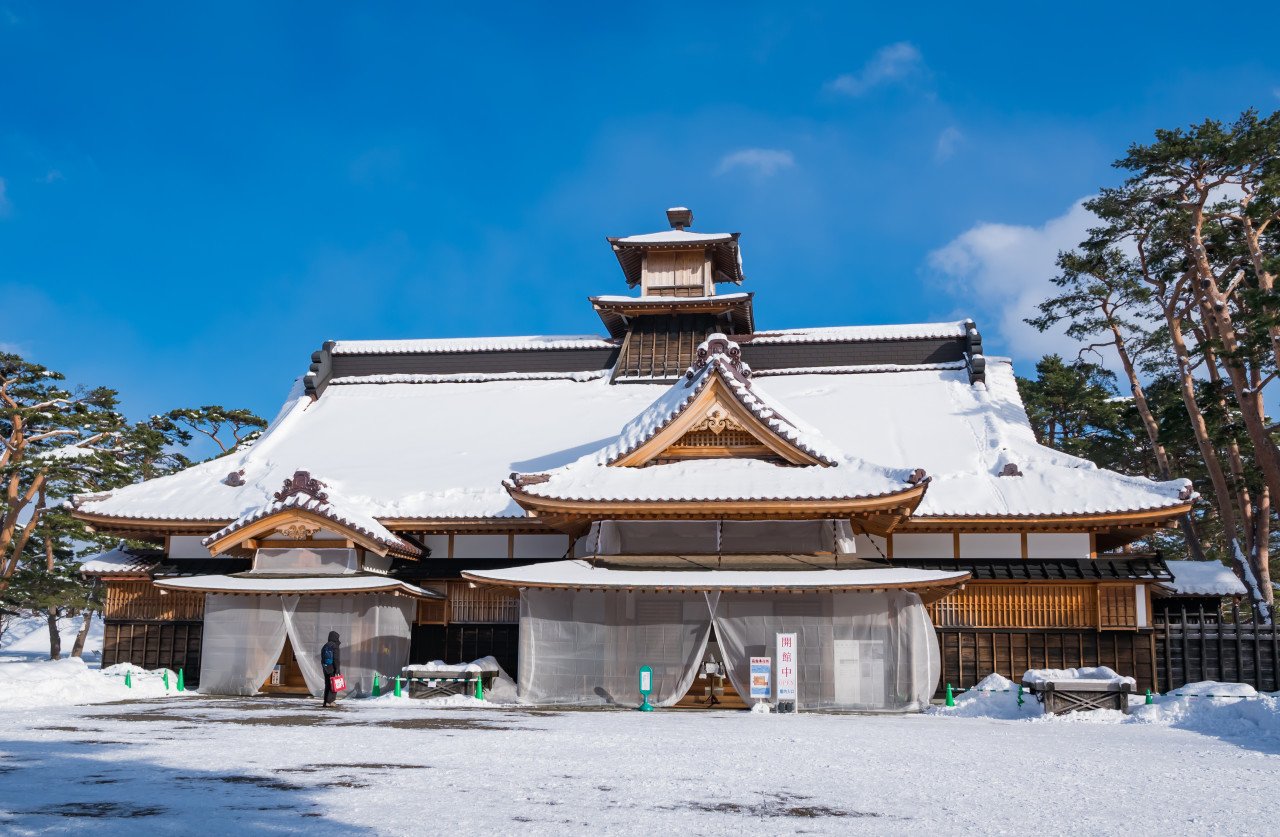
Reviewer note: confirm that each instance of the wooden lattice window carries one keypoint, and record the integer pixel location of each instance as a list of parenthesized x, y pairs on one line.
[(1117, 606), (143, 601)]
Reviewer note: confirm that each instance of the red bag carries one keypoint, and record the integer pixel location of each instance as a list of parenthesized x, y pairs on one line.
[(337, 683)]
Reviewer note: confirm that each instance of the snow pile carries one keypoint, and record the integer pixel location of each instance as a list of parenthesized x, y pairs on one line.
[(1092, 675), (70, 681), (993, 697), (1224, 710)]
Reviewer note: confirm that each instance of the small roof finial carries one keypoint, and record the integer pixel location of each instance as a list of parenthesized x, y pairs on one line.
[(680, 217)]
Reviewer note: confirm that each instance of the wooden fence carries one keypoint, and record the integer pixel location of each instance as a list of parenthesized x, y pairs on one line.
[(171, 645), (1193, 646), (968, 655), (1055, 605)]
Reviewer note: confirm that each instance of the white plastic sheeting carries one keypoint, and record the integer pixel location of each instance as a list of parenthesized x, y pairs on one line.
[(711, 537), (244, 636), (375, 632), (870, 652), (580, 647), (322, 560), (874, 652)]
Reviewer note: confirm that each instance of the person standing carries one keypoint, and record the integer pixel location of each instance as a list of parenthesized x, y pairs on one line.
[(331, 662)]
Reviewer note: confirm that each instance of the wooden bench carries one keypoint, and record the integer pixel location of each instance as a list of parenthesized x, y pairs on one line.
[(1062, 696), (427, 683)]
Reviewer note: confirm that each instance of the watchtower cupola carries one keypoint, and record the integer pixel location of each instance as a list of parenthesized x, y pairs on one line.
[(679, 262)]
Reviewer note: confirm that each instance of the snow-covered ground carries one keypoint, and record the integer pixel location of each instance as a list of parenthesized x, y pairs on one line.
[(174, 765), (26, 638)]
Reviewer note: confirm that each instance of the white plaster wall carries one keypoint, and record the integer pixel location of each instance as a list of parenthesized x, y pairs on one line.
[(924, 546), (865, 547), (541, 546), (187, 546), (479, 546), (438, 544), (990, 545), (1058, 545)]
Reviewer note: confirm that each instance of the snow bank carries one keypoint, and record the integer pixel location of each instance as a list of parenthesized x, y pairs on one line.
[(993, 697), (1225, 710), (70, 681), (501, 693)]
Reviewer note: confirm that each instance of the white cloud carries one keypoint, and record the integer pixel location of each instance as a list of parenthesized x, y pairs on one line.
[(5, 205), (948, 141), (52, 176), (763, 161), (891, 64), (1002, 271)]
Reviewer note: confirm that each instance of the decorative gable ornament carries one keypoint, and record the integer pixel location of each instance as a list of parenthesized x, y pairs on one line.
[(717, 419), (299, 531), (719, 348), (302, 483)]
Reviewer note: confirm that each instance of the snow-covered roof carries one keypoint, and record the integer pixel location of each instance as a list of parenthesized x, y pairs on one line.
[(674, 237), (118, 561), (400, 451), (326, 506), (578, 574), (856, 334), (315, 584), (656, 299), (453, 345), (1202, 578)]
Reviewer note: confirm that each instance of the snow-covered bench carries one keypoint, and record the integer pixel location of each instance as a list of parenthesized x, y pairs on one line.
[(440, 678), (1062, 690)]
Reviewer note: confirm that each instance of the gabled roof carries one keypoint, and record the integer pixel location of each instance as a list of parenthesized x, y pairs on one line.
[(726, 257), (303, 498), (717, 393), (121, 561)]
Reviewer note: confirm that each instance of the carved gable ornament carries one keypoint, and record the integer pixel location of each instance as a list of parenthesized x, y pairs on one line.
[(299, 530), (302, 483), (717, 419)]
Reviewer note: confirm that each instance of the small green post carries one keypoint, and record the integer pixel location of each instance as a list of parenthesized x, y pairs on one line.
[(377, 689), (1019, 694), (396, 688), (1149, 701), (128, 680), (479, 688), (182, 686), (646, 686), (165, 678), (951, 699)]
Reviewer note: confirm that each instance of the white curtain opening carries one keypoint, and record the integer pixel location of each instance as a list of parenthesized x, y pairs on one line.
[(868, 652), (242, 640), (375, 634), (580, 647)]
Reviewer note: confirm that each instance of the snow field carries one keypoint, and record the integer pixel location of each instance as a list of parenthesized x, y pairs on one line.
[(263, 764), (71, 681)]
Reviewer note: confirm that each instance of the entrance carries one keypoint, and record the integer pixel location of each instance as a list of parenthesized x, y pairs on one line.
[(286, 678), (712, 688)]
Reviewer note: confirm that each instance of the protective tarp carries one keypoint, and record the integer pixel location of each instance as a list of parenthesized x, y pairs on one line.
[(310, 561), (586, 647), (868, 652), (243, 638), (375, 632)]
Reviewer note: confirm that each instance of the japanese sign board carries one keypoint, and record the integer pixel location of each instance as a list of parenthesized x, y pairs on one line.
[(787, 665), (646, 680), (761, 675)]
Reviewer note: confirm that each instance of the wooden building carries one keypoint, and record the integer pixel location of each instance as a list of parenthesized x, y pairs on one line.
[(857, 481)]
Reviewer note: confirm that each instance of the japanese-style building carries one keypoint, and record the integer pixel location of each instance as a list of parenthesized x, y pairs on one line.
[(682, 487)]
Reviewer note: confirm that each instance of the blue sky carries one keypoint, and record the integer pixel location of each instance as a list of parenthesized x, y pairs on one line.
[(193, 199)]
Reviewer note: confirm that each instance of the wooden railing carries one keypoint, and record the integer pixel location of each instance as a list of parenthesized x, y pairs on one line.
[(141, 601), (1037, 606), (482, 604)]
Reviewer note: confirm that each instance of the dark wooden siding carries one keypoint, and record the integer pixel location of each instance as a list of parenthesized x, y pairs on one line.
[(541, 360), (151, 645), (801, 355), (1231, 651), (464, 643), (971, 654)]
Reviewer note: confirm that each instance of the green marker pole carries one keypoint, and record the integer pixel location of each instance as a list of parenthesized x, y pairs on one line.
[(1019, 694), (951, 699), (479, 688), (165, 678), (1148, 701), (182, 686), (377, 690), (646, 686), (397, 687), (128, 680)]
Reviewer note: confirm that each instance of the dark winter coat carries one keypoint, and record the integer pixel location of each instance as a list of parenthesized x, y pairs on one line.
[(331, 655)]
